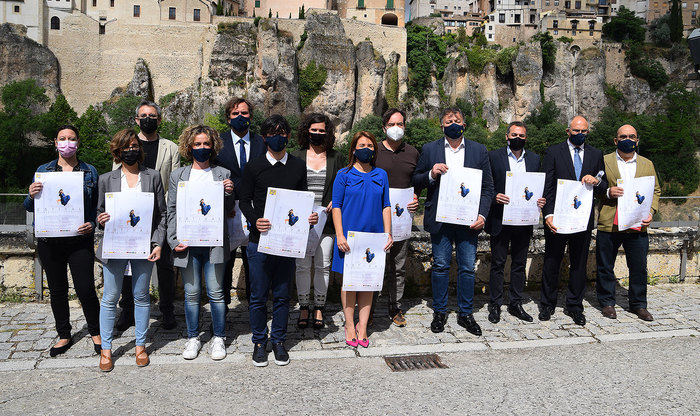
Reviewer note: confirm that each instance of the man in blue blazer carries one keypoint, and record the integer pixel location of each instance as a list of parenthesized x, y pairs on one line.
[(511, 158), (573, 159), (436, 158), (240, 147)]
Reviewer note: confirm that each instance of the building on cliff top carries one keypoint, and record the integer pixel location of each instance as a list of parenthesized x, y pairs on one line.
[(381, 12)]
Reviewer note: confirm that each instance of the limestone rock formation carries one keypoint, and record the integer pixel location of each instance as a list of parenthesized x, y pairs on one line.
[(141, 85), (369, 94), (527, 75), (22, 58), (456, 79), (487, 92), (231, 58)]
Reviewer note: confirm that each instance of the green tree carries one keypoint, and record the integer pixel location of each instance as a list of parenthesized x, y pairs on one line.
[(624, 26), (675, 21), (549, 50), (426, 56), (120, 113), (420, 131), (302, 12), (60, 113), (661, 31), (94, 140), (311, 80)]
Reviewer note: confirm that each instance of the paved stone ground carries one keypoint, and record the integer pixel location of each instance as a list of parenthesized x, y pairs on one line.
[(27, 332)]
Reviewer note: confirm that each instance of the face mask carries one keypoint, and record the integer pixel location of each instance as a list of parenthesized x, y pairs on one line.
[(130, 157), (67, 148), (394, 133), (148, 125), (454, 131), (201, 155), (317, 139), (577, 139), (516, 143), (276, 143), (627, 146), (364, 155), (239, 123)]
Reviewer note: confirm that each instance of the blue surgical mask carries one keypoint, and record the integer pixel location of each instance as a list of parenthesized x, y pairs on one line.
[(627, 146), (577, 139), (364, 155), (201, 154), (454, 131), (276, 143), (239, 123)]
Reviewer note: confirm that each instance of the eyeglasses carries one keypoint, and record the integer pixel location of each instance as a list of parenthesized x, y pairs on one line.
[(627, 136), (147, 116)]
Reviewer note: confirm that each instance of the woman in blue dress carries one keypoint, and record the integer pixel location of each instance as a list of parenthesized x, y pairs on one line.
[(360, 203)]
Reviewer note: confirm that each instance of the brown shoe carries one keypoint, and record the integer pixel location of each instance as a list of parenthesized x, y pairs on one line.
[(106, 363), (142, 359), (643, 314), (399, 319), (609, 312)]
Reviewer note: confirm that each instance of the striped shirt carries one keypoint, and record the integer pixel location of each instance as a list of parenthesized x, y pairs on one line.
[(316, 181)]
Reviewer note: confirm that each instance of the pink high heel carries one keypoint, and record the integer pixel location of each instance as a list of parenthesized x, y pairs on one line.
[(363, 343), (353, 343)]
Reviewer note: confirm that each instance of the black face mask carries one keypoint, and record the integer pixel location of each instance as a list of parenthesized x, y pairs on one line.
[(516, 143), (129, 157), (317, 139), (148, 125)]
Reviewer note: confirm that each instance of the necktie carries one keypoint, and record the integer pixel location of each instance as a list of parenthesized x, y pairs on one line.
[(577, 163), (242, 153)]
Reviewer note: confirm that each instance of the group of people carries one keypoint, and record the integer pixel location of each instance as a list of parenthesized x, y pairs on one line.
[(354, 190)]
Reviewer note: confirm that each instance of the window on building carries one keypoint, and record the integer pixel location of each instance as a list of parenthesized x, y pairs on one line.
[(102, 29), (55, 23), (695, 6), (257, 3), (567, 4), (111, 3), (547, 3), (578, 4), (591, 27), (360, 4), (556, 32), (516, 18), (556, 2), (501, 18), (137, 10), (532, 19), (693, 14), (94, 3), (685, 5), (490, 36), (172, 13), (390, 4), (574, 25), (491, 18), (555, 24), (197, 15), (16, 8)]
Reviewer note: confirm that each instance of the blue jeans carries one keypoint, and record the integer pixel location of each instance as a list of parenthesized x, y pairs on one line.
[(465, 241), (113, 272), (192, 280), (267, 271)]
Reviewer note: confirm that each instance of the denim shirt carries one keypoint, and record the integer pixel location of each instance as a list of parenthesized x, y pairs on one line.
[(89, 187)]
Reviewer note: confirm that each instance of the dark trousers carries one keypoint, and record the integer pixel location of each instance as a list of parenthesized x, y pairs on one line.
[(228, 275), (554, 245), (78, 254), (166, 286), (269, 272), (636, 247), (518, 238)]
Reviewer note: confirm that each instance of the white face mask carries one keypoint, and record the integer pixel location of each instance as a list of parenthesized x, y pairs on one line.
[(394, 133)]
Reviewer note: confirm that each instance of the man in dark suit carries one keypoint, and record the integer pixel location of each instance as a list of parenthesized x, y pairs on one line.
[(436, 158), (239, 147), (512, 158), (573, 160)]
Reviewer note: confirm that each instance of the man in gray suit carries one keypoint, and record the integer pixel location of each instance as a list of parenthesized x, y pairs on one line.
[(161, 155)]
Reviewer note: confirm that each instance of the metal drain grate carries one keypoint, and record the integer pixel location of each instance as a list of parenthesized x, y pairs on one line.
[(414, 362)]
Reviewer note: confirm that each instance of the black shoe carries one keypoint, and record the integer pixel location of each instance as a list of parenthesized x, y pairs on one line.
[(546, 312), (54, 351), (578, 317), (281, 355), (439, 320), (468, 322), (518, 311), (126, 320), (260, 355), (168, 321), (494, 313)]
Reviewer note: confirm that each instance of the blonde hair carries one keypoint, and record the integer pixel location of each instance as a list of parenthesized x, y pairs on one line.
[(187, 139)]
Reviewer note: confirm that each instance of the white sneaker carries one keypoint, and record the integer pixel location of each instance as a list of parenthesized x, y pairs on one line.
[(218, 349), (192, 348)]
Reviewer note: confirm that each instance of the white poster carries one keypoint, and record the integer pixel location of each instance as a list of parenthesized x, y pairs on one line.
[(237, 229), (288, 212), (401, 219), (634, 205), (363, 266), (58, 209), (460, 195), (128, 232), (572, 208), (523, 189), (316, 231), (200, 213)]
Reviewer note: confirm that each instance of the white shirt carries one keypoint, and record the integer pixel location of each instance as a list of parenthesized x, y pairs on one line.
[(125, 184), (516, 164), (237, 147), (272, 160), (628, 169), (572, 151), (453, 157), (201, 175)]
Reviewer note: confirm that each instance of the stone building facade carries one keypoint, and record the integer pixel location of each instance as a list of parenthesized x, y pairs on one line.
[(690, 10)]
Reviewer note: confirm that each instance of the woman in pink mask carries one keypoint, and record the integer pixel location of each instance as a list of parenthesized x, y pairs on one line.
[(58, 253)]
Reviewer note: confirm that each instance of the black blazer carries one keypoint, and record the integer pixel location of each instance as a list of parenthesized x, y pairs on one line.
[(334, 162), (557, 164), (499, 166), (227, 157)]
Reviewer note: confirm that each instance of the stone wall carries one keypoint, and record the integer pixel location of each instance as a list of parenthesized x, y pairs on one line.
[(664, 263)]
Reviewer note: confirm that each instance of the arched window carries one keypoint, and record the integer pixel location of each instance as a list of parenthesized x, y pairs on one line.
[(390, 19), (55, 23)]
